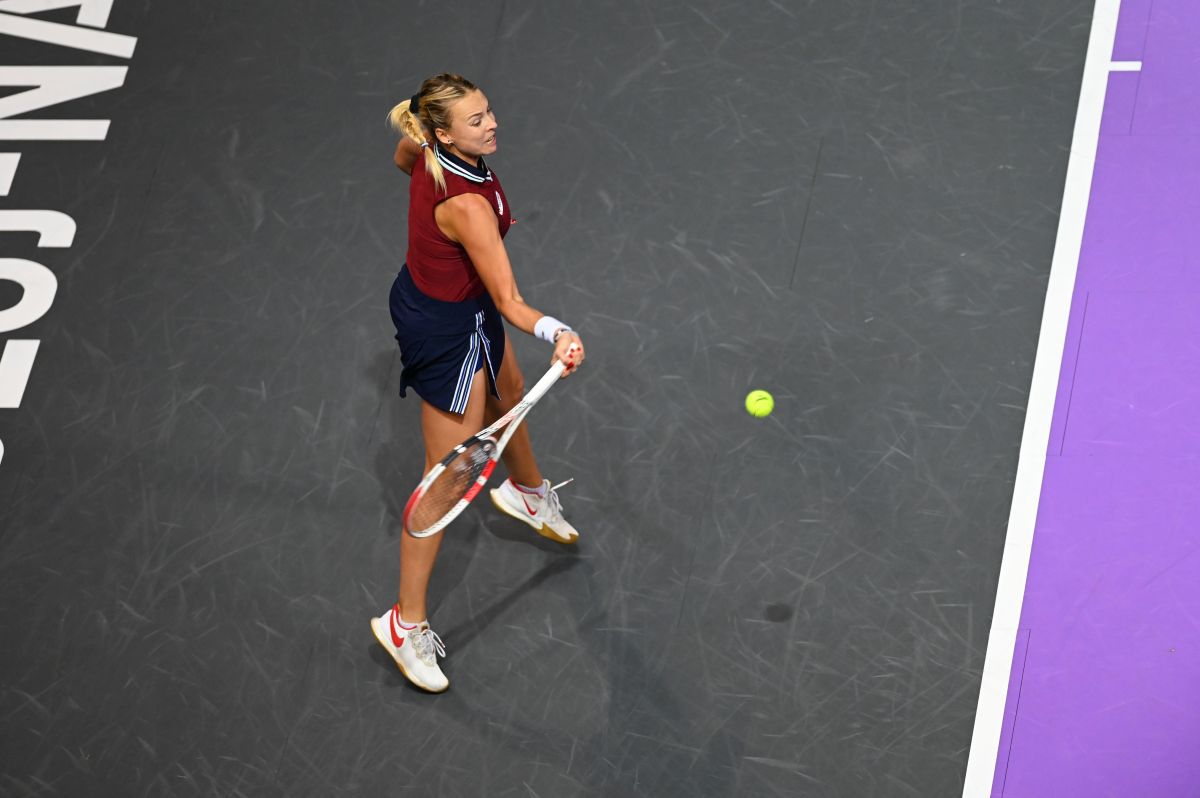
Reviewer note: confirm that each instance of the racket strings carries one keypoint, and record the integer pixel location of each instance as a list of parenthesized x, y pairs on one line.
[(449, 487)]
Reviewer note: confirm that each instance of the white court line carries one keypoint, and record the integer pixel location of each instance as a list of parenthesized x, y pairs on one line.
[(1014, 567), (1126, 66), (8, 170)]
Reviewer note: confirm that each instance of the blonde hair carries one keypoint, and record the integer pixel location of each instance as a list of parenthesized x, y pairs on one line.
[(434, 99)]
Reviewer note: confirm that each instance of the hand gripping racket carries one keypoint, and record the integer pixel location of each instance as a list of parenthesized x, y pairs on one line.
[(451, 484)]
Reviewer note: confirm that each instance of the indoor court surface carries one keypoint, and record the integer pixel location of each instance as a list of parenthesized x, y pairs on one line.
[(852, 204)]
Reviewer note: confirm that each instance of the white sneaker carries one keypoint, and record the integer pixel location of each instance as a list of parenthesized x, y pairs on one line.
[(543, 513), (414, 648)]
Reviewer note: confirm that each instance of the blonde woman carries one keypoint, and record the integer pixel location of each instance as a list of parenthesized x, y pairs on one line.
[(448, 304)]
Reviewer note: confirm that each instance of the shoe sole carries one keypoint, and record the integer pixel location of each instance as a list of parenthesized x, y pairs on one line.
[(541, 529), (375, 624)]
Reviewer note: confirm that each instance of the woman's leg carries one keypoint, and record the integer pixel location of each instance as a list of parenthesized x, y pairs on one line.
[(518, 455), (442, 431)]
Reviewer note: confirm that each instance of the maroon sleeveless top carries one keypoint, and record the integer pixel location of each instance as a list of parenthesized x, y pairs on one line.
[(440, 267)]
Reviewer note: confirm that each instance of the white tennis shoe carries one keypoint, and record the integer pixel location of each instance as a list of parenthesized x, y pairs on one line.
[(415, 648), (543, 513)]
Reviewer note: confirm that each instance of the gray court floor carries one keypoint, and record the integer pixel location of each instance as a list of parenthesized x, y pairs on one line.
[(849, 203)]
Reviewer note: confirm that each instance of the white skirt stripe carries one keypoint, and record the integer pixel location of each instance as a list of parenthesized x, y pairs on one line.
[(463, 390), (487, 357)]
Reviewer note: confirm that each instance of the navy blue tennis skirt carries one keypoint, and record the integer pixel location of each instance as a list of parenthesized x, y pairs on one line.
[(443, 344)]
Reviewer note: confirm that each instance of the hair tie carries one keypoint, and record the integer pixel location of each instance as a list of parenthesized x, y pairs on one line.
[(414, 104), (424, 144)]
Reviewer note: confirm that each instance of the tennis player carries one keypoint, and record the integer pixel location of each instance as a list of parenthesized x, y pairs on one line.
[(448, 304)]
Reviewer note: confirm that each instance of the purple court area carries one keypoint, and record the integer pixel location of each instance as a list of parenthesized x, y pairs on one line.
[(1104, 698)]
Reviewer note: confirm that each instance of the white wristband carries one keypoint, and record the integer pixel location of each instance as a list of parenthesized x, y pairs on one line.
[(547, 326)]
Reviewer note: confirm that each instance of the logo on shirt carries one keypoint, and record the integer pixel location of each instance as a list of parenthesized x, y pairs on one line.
[(499, 204)]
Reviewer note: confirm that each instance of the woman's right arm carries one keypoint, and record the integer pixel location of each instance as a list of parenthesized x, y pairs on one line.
[(407, 153)]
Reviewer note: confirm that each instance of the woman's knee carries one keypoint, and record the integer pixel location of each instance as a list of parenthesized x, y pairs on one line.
[(514, 388), (510, 382)]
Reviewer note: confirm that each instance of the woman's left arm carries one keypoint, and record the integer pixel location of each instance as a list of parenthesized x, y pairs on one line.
[(470, 220)]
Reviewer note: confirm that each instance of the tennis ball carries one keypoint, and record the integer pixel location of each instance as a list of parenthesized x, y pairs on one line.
[(759, 404)]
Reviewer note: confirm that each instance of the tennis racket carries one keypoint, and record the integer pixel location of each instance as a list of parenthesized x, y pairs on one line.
[(451, 484)]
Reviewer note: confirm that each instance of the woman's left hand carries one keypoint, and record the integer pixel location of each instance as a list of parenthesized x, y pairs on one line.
[(569, 349)]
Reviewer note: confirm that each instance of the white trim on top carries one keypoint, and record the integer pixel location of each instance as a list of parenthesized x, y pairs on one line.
[(451, 166)]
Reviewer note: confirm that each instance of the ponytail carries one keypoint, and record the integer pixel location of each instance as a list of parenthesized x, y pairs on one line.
[(406, 123)]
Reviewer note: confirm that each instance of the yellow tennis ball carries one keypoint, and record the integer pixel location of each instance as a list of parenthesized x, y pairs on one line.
[(759, 404)]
